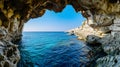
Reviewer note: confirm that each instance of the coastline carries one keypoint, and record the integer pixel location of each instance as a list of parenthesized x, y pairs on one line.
[(105, 47)]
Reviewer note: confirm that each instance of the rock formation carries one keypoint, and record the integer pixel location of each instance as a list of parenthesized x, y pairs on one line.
[(102, 29), (102, 20)]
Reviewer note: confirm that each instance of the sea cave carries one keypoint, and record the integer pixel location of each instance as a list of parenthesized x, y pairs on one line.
[(100, 30)]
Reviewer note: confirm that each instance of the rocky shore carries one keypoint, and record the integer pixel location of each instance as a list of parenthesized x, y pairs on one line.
[(100, 28), (103, 41), (105, 49)]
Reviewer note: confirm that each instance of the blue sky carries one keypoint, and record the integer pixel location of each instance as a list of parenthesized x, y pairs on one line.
[(51, 21)]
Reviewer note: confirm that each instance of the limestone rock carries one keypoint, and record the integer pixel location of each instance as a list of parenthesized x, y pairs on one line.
[(3, 32), (103, 24), (111, 46), (102, 20), (85, 30), (109, 61), (111, 43), (9, 54), (94, 40)]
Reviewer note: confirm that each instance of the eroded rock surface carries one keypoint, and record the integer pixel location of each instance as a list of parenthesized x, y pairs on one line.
[(102, 19), (9, 54), (102, 29)]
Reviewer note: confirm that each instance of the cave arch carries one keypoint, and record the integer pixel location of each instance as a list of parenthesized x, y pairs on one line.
[(13, 14), (100, 15), (51, 21)]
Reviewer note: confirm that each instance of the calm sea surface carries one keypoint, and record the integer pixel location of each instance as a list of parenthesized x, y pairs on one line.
[(52, 49)]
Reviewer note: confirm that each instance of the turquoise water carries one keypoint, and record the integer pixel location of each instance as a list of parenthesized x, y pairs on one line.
[(52, 49)]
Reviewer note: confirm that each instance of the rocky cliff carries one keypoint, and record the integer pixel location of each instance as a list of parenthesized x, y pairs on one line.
[(102, 18), (102, 29)]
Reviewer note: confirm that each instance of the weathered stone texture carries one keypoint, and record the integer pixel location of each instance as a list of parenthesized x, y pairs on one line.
[(100, 14), (102, 28)]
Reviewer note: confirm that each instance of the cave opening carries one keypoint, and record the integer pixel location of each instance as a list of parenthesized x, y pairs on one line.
[(41, 48), (45, 44), (51, 21)]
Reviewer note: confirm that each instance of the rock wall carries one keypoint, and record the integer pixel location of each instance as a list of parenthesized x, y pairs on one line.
[(101, 29), (13, 15), (102, 18)]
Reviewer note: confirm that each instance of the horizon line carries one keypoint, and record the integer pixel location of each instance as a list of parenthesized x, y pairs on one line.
[(44, 31)]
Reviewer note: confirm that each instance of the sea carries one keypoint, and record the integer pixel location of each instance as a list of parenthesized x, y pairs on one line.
[(52, 49)]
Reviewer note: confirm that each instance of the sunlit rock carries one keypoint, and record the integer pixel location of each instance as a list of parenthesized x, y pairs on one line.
[(102, 20)]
